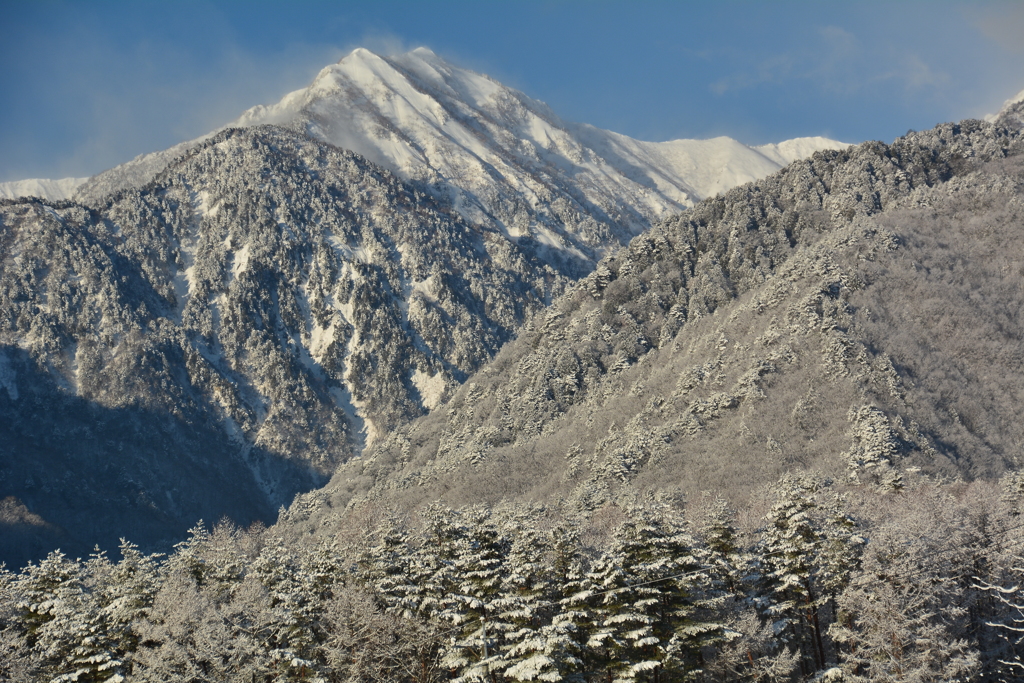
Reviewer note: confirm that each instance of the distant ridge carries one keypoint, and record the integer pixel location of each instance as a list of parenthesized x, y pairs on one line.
[(43, 188)]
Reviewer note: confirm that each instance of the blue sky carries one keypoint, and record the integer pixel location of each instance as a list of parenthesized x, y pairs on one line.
[(87, 85)]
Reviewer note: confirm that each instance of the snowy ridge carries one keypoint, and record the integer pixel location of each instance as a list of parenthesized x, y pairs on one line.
[(133, 174), (1007, 105), (44, 188), (507, 161), (688, 170), (504, 162), (785, 153), (1012, 113)]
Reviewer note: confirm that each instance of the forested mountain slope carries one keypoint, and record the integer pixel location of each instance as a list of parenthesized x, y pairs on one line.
[(857, 312), (217, 341), (265, 302), (266, 295)]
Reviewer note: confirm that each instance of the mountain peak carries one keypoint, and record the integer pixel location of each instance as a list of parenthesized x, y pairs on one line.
[(361, 60), (358, 54), (424, 53), (474, 140), (501, 159), (365, 55)]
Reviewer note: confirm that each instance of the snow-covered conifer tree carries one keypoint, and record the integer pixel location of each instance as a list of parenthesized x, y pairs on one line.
[(807, 551), (55, 609), (385, 566), (478, 569), (540, 645), (120, 595), (650, 594), (297, 588)]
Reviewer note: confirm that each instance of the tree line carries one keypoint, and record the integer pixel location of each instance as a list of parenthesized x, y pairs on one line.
[(808, 580)]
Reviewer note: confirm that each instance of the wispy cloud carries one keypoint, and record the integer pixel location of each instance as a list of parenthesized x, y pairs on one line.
[(162, 96), (834, 61)]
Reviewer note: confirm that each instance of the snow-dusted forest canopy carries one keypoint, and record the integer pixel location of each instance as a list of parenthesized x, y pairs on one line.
[(810, 580), (221, 339)]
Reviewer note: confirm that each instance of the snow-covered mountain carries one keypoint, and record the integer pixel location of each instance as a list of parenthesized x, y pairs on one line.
[(855, 314), (507, 160), (44, 188), (503, 160), (219, 340)]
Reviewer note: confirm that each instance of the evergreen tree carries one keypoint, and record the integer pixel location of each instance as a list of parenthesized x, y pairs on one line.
[(808, 549), (298, 588), (540, 645), (15, 654), (478, 567), (385, 567), (120, 597), (432, 574), (652, 603)]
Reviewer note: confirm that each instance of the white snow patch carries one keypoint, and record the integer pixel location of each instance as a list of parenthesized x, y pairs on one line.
[(469, 208), (319, 339), (432, 389), (427, 288), (234, 432), (786, 152), (364, 432), (73, 369), (206, 207), (181, 286), (240, 261), (348, 252), (190, 275)]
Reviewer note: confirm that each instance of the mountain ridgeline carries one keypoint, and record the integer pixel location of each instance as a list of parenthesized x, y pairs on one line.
[(856, 314), (501, 159)]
